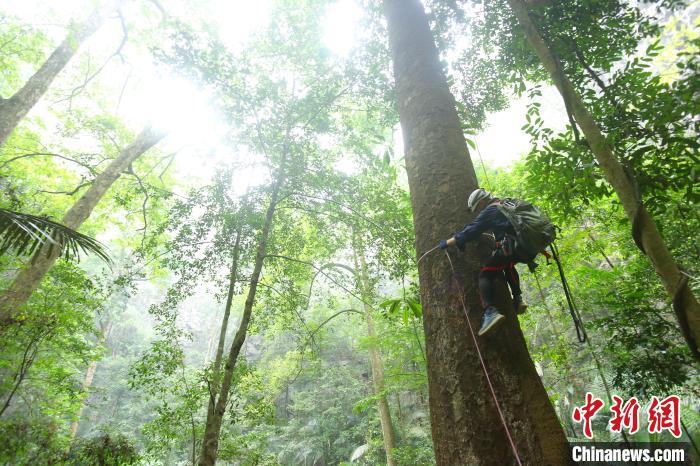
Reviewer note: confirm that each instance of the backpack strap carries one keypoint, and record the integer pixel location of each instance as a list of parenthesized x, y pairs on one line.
[(547, 256)]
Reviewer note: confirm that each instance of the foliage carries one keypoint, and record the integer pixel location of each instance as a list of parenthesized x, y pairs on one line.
[(103, 450), (24, 233)]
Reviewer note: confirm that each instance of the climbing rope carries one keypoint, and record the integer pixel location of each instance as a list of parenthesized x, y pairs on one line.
[(573, 310), (481, 359), (426, 253), (483, 167)]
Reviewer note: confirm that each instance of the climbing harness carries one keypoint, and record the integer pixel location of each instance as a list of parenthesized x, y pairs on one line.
[(481, 359), (573, 310)]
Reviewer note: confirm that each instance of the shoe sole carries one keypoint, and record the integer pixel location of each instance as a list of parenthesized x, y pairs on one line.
[(494, 323)]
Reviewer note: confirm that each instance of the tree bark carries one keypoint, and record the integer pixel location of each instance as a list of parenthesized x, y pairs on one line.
[(216, 383), (29, 278), (645, 230), (215, 417), (87, 383), (13, 109), (466, 426), (365, 288)]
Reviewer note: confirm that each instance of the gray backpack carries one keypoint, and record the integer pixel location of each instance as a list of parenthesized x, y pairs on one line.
[(534, 230)]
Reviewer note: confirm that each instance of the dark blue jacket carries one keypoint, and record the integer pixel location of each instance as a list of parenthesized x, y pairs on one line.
[(490, 219)]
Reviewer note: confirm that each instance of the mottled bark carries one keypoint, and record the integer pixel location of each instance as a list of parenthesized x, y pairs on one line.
[(465, 423), (367, 293), (29, 278), (13, 109), (215, 417), (649, 235)]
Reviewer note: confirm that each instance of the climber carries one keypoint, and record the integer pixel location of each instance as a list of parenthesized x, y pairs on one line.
[(534, 232)]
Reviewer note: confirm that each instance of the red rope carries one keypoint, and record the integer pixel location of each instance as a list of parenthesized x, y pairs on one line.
[(483, 364)]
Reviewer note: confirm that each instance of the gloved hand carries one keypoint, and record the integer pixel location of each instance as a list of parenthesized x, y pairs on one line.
[(443, 244)]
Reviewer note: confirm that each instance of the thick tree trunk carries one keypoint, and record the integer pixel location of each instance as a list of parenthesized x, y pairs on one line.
[(13, 109), (365, 288), (215, 417), (688, 308), (29, 278), (466, 426)]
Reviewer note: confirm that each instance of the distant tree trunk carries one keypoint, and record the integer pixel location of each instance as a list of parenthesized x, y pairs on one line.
[(365, 288), (215, 417), (87, 383), (210, 342), (647, 233), (13, 109), (466, 426), (29, 278), (216, 382)]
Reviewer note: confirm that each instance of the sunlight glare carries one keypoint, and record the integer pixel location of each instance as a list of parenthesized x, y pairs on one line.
[(179, 107), (347, 166), (340, 24), (239, 20)]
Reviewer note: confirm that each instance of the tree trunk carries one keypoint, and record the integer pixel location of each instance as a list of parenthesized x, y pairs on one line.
[(466, 426), (215, 417), (29, 278), (216, 383), (13, 109), (365, 288), (210, 342), (645, 230), (87, 383)]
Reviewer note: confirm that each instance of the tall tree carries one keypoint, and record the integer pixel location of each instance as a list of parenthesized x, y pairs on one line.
[(19, 291), (216, 383), (645, 230), (366, 291), (89, 377), (16, 107), (215, 417), (465, 421)]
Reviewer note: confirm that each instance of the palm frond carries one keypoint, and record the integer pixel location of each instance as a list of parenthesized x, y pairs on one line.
[(25, 233)]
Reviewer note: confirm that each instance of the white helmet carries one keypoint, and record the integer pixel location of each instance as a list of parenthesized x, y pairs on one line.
[(477, 196)]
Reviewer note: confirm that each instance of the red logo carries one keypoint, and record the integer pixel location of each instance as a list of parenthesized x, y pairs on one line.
[(626, 416), (661, 414), (586, 413), (665, 415)]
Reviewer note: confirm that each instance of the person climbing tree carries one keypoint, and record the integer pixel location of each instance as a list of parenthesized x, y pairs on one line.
[(521, 232)]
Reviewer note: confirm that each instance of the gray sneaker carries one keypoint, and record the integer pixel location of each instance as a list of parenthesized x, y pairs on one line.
[(492, 319)]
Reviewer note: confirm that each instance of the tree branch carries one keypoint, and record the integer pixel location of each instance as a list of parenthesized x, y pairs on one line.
[(50, 154), (68, 193), (89, 77)]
